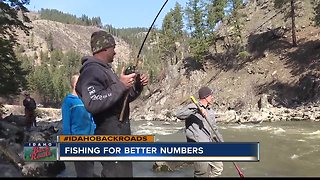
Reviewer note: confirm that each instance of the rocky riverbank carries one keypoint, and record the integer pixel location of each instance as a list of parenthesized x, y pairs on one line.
[(13, 134), (267, 113)]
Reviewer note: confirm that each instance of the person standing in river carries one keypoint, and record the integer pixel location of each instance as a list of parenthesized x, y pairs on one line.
[(103, 94), (198, 130)]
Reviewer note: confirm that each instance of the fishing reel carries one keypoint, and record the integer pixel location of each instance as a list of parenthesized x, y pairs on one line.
[(132, 69), (129, 70)]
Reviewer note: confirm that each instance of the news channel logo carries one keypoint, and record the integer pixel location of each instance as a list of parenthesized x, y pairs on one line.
[(44, 151)]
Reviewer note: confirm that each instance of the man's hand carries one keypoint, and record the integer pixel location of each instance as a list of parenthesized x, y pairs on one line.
[(127, 80), (144, 80), (141, 80), (203, 112)]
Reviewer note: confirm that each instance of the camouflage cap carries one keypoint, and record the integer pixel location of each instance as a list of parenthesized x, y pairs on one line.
[(101, 40)]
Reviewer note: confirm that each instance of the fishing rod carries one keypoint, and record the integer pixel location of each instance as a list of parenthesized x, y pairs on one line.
[(131, 69), (217, 137)]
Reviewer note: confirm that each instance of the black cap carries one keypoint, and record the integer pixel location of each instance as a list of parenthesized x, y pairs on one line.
[(204, 92)]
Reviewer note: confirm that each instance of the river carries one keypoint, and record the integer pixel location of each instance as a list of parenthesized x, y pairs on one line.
[(287, 149)]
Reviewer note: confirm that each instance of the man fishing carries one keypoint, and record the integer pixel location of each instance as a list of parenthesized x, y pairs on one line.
[(103, 94), (198, 130)]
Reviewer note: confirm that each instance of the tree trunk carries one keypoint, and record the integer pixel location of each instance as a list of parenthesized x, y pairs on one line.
[(293, 23)]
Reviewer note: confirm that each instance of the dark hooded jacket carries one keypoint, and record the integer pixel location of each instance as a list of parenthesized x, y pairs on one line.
[(103, 95)]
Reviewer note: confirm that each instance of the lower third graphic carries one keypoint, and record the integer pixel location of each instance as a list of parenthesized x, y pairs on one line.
[(40, 151)]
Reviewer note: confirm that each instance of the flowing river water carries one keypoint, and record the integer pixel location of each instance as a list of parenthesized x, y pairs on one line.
[(287, 149)]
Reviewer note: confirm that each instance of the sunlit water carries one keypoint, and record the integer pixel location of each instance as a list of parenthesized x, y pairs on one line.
[(286, 149)]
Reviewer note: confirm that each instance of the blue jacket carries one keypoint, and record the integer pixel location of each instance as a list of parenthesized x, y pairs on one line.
[(76, 120)]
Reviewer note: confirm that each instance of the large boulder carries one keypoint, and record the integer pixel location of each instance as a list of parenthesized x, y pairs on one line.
[(309, 88)]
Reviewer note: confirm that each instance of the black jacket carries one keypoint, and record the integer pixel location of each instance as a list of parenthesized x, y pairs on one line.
[(103, 95), (29, 104)]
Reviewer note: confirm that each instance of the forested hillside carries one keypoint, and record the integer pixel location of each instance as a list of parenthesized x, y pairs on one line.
[(260, 57), (227, 38)]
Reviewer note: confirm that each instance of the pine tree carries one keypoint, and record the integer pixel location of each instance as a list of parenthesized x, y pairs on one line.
[(292, 14), (49, 41), (178, 21), (316, 6), (167, 36), (171, 34), (195, 15), (178, 30), (215, 14), (234, 21), (12, 75)]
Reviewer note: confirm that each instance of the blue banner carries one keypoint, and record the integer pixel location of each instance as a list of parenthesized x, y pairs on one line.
[(159, 151)]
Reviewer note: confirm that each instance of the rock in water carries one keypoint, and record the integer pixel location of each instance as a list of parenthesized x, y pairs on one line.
[(8, 170), (169, 166), (43, 169)]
